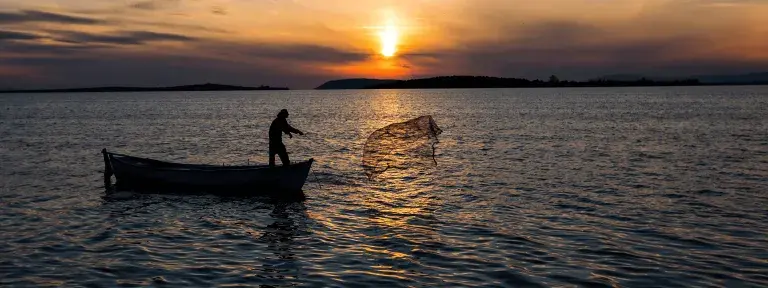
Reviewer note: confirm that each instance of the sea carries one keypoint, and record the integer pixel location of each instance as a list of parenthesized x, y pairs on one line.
[(562, 187)]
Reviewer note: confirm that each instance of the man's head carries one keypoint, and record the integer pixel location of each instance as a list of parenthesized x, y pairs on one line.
[(283, 113)]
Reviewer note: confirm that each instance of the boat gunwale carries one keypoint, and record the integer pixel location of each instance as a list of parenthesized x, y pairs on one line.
[(200, 167)]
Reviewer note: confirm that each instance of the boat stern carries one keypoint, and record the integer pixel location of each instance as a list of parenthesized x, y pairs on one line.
[(292, 178)]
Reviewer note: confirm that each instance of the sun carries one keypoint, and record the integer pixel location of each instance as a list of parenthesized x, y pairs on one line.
[(389, 37)]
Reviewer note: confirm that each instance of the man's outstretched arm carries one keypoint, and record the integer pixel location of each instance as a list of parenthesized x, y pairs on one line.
[(288, 129)]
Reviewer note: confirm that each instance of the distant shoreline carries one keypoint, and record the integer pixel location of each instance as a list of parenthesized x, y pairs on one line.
[(484, 82), (469, 82), (185, 88), (573, 86), (442, 82)]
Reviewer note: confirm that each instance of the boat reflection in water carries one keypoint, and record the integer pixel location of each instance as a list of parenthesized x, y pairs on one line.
[(282, 238), (207, 239)]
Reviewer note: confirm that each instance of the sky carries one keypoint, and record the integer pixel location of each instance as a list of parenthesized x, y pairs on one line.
[(303, 43)]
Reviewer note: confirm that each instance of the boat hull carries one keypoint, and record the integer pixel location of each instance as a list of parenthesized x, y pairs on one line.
[(136, 173)]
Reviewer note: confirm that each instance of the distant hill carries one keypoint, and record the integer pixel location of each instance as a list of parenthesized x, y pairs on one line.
[(447, 82), (196, 87), (622, 77), (616, 80), (636, 77), (358, 83), (750, 78), (736, 79), (455, 82)]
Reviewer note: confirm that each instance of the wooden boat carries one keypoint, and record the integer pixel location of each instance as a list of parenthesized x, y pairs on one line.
[(260, 180)]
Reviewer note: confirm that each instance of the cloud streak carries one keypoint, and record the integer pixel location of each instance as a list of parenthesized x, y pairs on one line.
[(12, 35), (298, 53), (120, 37), (152, 4), (27, 16)]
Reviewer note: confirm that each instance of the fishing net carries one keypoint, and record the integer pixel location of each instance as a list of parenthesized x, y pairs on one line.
[(401, 146)]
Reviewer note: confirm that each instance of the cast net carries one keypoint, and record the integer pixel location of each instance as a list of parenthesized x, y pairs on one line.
[(401, 146)]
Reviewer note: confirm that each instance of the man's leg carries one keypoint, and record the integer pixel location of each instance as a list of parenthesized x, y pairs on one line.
[(284, 156), (272, 157)]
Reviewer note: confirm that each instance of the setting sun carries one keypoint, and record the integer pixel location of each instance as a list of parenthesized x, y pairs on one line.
[(389, 37)]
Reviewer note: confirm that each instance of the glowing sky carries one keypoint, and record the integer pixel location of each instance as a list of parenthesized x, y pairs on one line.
[(302, 43)]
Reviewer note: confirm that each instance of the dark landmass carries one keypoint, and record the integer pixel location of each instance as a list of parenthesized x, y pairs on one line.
[(359, 83), (197, 87), (738, 79), (496, 82), (750, 78), (627, 77), (617, 80)]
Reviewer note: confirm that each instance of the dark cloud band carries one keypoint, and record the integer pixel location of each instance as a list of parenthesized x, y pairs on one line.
[(41, 16), (122, 37), (13, 35)]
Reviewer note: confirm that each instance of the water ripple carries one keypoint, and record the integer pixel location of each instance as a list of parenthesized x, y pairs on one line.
[(630, 187)]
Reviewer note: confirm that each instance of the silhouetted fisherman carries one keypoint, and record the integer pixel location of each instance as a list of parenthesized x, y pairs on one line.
[(280, 125)]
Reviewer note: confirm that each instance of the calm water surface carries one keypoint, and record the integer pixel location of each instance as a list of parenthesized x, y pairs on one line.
[(631, 187)]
